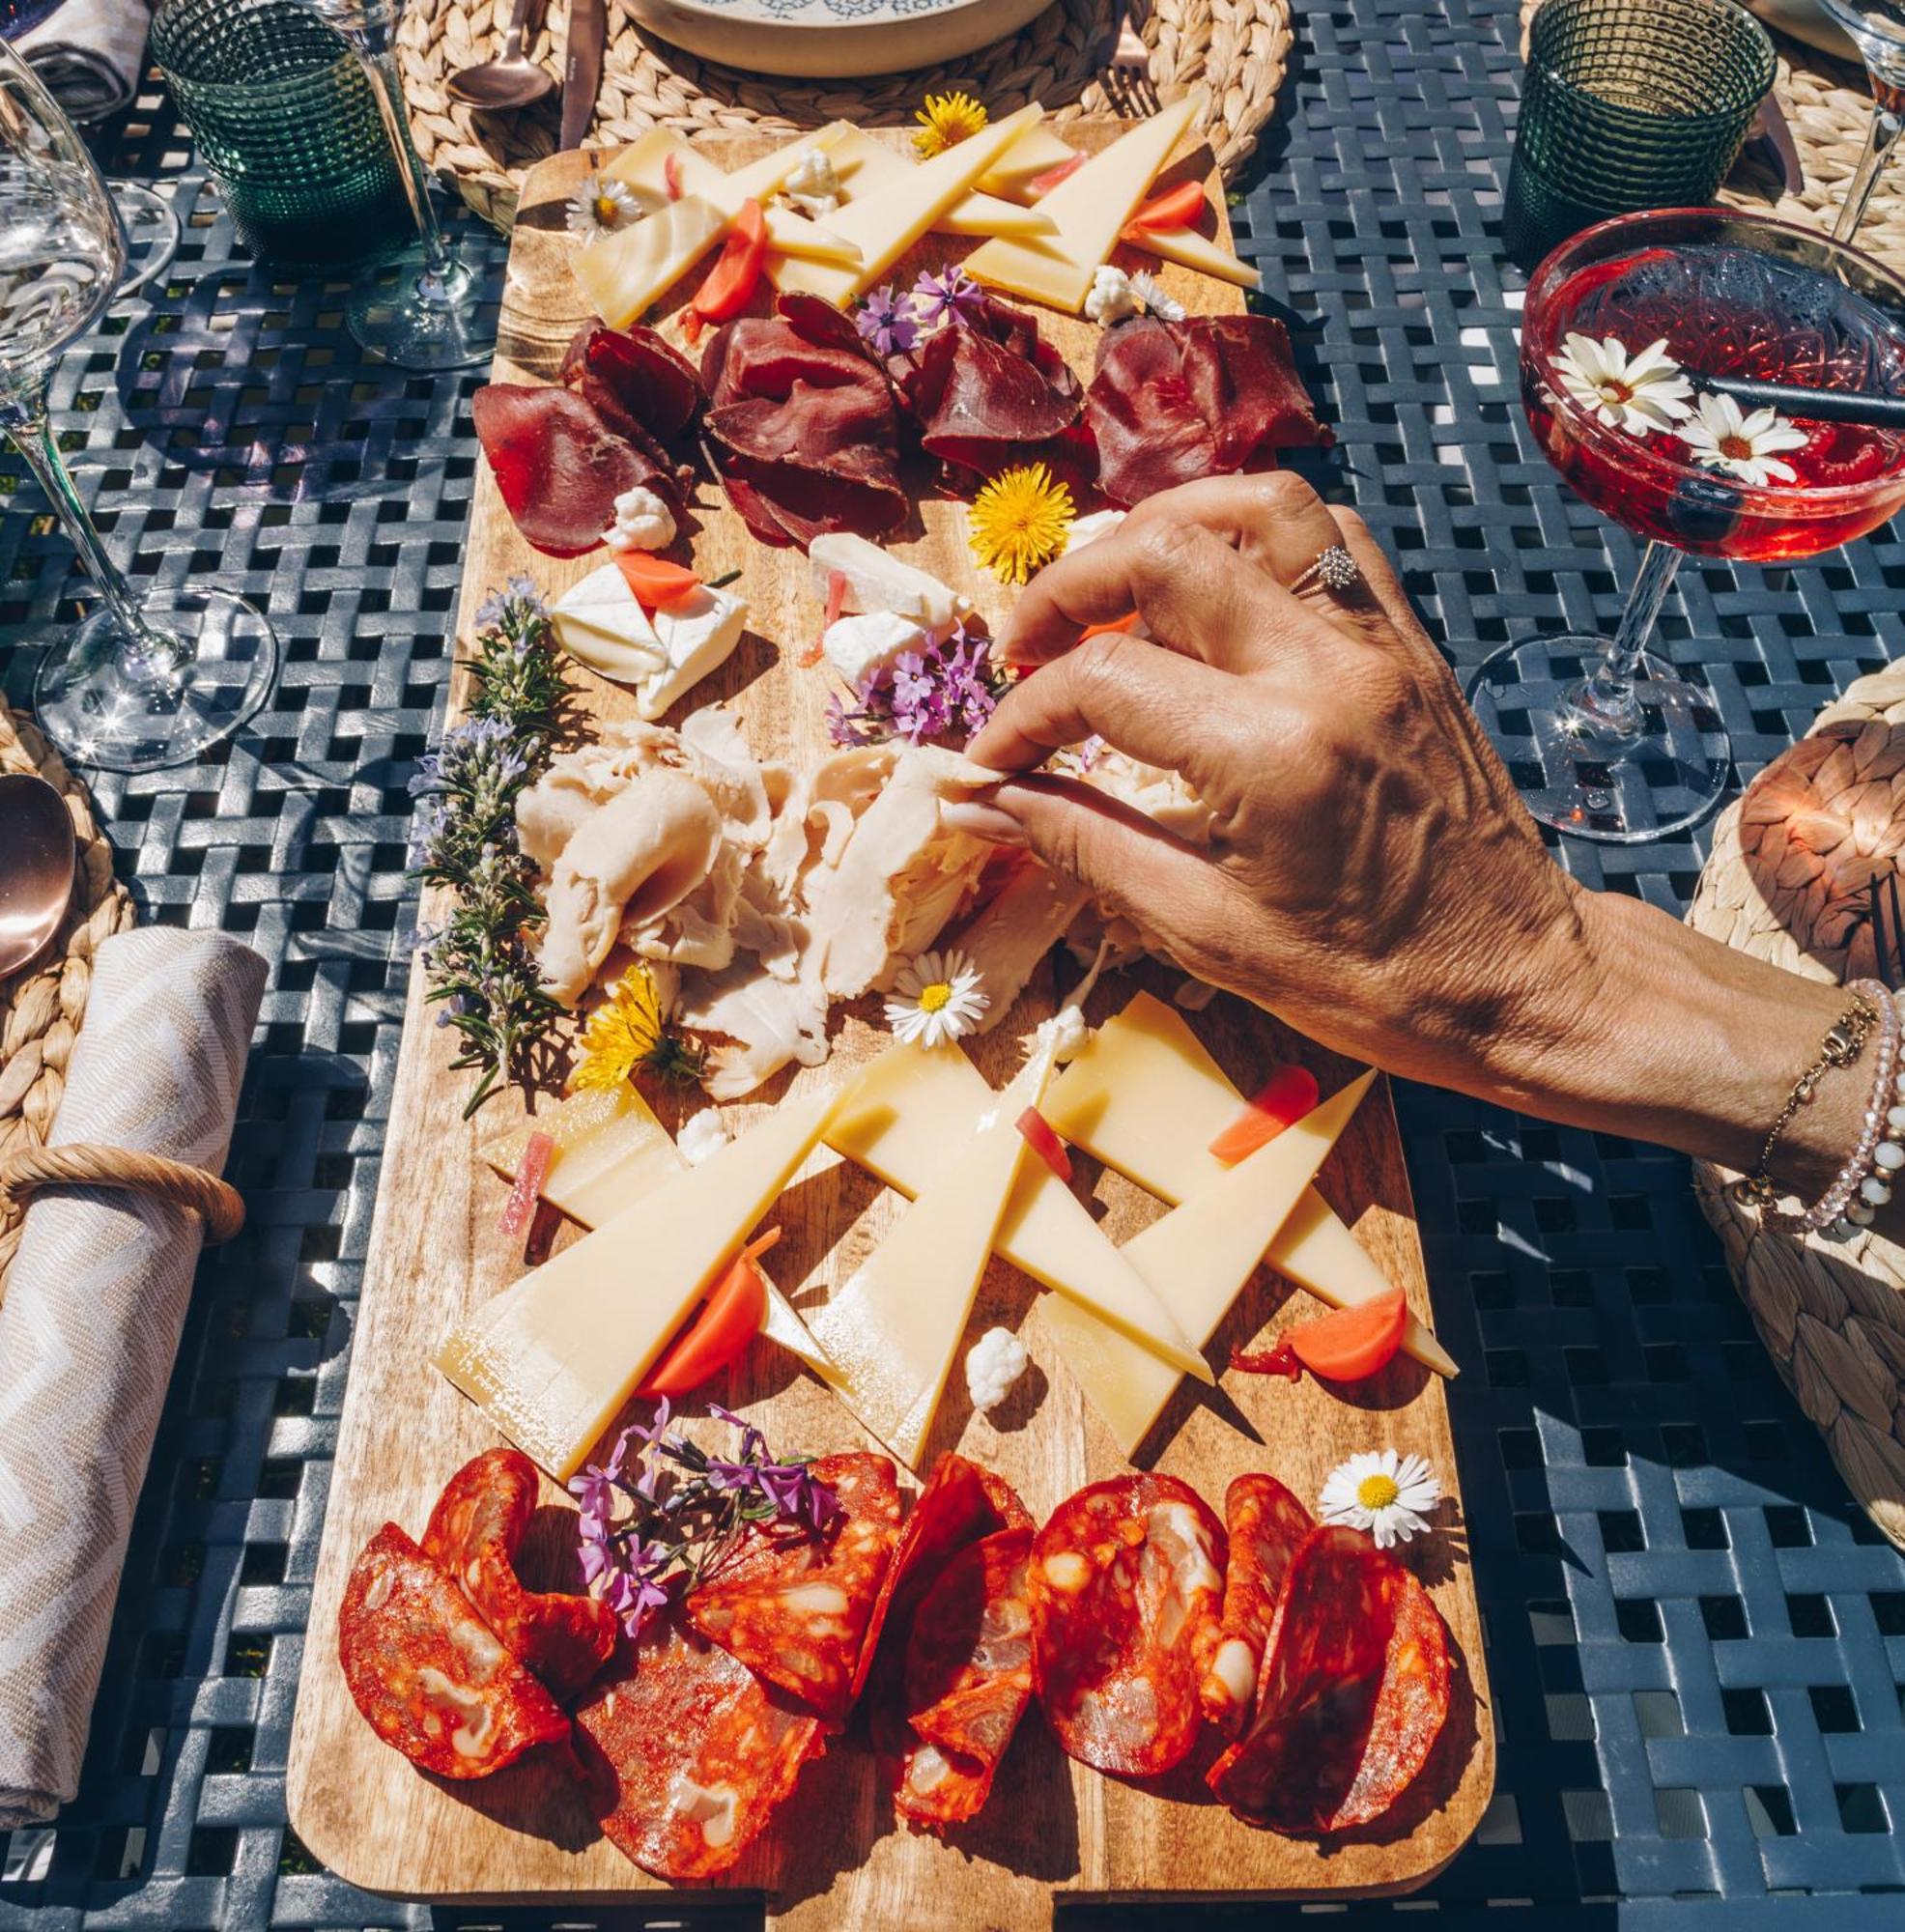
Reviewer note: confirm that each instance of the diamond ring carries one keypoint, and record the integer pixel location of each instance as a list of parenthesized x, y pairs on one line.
[(1335, 569)]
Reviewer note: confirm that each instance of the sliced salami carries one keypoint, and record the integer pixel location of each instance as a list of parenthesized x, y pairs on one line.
[(1353, 1693), (1265, 1524), (426, 1671), (474, 1532), (689, 1752), (1125, 1581), (967, 1677), (795, 1605)]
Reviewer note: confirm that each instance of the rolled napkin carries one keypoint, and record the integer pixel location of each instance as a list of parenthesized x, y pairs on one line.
[(89, 53), (96, 1299)]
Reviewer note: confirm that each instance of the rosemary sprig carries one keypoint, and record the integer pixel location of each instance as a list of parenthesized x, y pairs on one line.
[(482, 968)]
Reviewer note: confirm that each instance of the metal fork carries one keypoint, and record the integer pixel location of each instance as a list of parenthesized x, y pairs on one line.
[(1888, 925)]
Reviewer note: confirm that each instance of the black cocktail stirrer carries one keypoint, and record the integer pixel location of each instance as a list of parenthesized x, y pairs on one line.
[(1870, 406)]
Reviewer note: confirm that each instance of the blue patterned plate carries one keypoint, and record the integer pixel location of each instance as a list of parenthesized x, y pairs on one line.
[(833, 39)]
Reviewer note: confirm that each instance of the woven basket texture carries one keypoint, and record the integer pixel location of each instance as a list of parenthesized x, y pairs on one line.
[(1787, 882), (1239, 48), (42, 1006)]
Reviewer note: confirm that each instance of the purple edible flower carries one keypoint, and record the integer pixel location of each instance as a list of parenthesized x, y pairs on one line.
[(887, 319), (953, 297)]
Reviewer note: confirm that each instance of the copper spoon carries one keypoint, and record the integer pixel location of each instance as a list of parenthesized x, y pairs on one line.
[(37, 850), (510, 80)]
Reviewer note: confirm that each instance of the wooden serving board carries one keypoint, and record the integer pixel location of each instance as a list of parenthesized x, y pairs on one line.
[(837, 1857)]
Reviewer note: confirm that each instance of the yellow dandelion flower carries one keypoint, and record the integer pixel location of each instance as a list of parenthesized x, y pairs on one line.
[(1020, 521), (629, 1033), (947, 119)]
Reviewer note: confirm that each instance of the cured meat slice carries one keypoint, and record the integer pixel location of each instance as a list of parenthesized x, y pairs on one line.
[(635, 374), (794, 1605), (559, 464), (474, 1532), (1174, 401), (1353, 1693), (983, 389), (1265, 1524), (1125, 1579), (967, 1678), (688, 1752), (425, 1669)]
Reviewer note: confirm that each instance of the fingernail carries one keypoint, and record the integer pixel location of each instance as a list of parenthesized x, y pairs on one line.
[(976, 820)]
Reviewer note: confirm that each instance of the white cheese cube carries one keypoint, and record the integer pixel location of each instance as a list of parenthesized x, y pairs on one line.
[(661, 653), (1088, 529), (856, 646), (878, 581)]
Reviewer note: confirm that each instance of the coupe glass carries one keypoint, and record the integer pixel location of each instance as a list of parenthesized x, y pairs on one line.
[(144, 681), (1878, 30), (423, 309), (1604, 739)]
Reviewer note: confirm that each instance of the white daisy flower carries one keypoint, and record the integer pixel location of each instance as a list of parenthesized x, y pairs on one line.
[(600, 207), (1636, 393), (1166, 309), (1723, 437), (1386, 1495), (939, 996)]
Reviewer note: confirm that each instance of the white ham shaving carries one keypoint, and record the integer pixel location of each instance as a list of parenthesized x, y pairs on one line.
[(1015, 928)]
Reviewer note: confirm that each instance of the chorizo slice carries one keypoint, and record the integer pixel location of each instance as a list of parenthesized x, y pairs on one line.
[(795, 1605), (1125, 1582), (1265, 1524), (427, 1672), (474, 1532)]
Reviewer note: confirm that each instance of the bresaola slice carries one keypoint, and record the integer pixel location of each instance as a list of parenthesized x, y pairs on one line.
[(1175, 401)]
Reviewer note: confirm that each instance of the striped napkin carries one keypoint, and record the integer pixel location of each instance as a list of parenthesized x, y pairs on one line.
[(96, 1299), (89, 53)]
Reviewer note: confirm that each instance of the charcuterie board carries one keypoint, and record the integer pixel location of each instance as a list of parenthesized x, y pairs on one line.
[(836, 1855)]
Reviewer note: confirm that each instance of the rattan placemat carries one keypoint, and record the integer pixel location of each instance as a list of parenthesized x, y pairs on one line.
[(42, 1006), (1239, 48), (1787, 882)]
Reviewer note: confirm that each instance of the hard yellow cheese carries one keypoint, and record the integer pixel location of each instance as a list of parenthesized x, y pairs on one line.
[(886, 222), (1146, 1098), (919, 1103), (1088, 210), (864, 164), (1191, 248), (896, 1323), (1036, 152), (623, 273), (1198, 1257), (552, 1359)]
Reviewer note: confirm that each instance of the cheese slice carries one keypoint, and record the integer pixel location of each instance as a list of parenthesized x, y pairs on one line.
[(661, 654), (1198, 1257), (1088, 210), (864, 163), (919, 1102), (887, 223), (1146, 1098), (875, 580), (553, 1360), (1191, 248), (609, 1151), (896, 1325), (1036, 152), (622, 275)]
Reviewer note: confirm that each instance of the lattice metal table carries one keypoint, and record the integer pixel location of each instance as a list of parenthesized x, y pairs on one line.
[(1697, 1643)]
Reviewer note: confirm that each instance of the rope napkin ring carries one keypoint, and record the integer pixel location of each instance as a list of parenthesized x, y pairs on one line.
[(82, 1164)]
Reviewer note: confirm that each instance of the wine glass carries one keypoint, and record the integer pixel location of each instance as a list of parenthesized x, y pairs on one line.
[(423, 308), (1877, 28), (145, 680), (1604, 740), (149, 224)]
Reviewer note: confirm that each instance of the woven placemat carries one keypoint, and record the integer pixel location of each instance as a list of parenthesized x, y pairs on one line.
[(1787, 882), (1828, 105), (1239, 48), (42, 1006)]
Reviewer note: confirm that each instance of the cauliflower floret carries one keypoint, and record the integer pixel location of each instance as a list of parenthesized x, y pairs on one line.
[(700, 1137), (644, 521), (993, 1364)]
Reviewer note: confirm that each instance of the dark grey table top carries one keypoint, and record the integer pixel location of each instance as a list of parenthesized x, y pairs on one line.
[(1697, 1643)]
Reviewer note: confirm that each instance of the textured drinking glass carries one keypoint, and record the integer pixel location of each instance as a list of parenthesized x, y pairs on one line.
[(1878, 30), (1628, 104), (285, 119)]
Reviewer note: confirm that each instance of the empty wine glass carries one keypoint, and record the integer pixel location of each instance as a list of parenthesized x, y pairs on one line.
[(422, 309), (144, 680), (1877, 28)]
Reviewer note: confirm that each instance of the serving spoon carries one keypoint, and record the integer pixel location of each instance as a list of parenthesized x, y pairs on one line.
[(510, 80), (35, 867)]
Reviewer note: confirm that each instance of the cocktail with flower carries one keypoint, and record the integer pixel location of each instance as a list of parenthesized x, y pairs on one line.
[(1621, 323)]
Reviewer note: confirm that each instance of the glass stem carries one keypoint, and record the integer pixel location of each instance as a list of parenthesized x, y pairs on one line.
[(1608, 696), (1887, 123), (388, 85)]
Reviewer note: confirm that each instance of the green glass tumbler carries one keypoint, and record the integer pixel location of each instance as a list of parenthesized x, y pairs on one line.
[(1628, 104), (287, 123)]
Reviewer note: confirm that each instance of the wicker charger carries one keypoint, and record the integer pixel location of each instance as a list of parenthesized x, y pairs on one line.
[(1787, 882), (1239, 48), (40, 1009)]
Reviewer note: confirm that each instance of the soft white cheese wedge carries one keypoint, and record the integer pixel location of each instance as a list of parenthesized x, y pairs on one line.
[(877, 581), (856, 646), (1083, 530), (661, 653)]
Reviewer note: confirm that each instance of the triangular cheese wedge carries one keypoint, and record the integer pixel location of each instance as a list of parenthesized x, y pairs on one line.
[(1036, 152), (553, 1360), (1191, 248), (1198, 1257), (895, 1326), (1088, 210), (887, 223), (1146, 1098), (864, 164), (925, 1099)]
